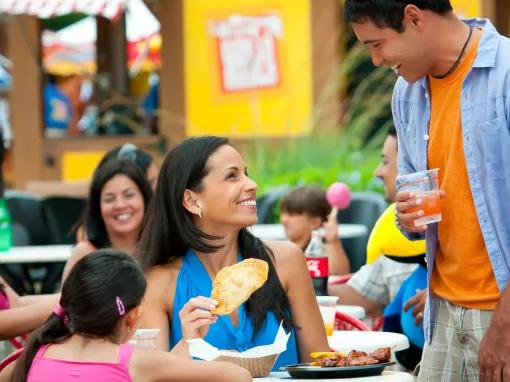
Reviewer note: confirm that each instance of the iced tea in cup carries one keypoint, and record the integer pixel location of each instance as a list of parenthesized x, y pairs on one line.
[(425, 186), (327, 306)]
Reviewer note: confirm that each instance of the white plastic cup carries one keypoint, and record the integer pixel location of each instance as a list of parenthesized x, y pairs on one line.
[(327, 306), (146, 338)]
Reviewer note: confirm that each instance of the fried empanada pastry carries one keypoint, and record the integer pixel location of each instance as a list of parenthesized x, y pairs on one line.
[(233, 285)]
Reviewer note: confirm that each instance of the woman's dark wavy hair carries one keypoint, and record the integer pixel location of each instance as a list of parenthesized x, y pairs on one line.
[(89, 302), (95, 228), (389, 13), (169, 230)]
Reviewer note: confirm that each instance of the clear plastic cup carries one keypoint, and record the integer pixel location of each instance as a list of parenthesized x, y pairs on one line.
[(425, 186), (327, 306), (147, 338)]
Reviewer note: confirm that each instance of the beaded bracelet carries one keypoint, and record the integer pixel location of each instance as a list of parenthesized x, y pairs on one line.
[(397, 221)]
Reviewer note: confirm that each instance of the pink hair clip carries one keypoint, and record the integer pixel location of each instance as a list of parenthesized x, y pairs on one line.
[(120, 306), (60, 312)]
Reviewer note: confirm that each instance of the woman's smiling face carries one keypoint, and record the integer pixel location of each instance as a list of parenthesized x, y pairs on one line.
[(122, 206), (227, 195)]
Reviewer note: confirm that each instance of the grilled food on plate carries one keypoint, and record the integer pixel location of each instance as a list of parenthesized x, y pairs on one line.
[(354, 358)]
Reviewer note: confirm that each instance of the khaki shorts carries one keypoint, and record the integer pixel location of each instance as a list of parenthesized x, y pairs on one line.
[(453, 353)]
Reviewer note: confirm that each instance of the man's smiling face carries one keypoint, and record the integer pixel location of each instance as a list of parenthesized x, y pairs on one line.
[(404, 52)]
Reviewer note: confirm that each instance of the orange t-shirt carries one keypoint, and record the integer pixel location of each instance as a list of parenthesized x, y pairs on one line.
[(462, 271)]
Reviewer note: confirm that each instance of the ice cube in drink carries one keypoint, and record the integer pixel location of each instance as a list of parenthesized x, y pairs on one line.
[(431, 207)]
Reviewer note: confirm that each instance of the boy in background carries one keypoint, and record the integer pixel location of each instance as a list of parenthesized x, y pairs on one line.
[(306, 209)]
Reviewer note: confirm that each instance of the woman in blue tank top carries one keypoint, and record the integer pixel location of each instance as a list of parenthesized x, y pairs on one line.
[(195, 226)]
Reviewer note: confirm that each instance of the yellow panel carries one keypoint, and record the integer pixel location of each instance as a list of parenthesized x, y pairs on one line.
[(467, 8), (80, 165), (283, 109)]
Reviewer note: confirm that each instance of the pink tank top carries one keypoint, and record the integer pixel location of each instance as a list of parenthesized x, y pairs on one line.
[(58, 370)]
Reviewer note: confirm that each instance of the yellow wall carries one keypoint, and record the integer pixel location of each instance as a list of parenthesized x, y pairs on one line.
[(80, 165), (467, 8), (282, 110)]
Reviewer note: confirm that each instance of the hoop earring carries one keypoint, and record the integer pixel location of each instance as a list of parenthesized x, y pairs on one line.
[(200, 213)]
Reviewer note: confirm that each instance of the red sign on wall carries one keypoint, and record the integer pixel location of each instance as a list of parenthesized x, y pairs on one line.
[(247, 51)]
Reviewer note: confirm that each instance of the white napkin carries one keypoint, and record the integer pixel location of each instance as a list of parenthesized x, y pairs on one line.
[(199, 348)]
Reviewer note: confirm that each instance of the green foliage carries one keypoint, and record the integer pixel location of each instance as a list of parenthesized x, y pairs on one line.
[(350, 153)]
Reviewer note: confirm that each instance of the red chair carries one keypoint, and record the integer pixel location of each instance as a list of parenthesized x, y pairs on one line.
[(10, 358), (18, 342), (346, 322), (377, 322), (335, 280)]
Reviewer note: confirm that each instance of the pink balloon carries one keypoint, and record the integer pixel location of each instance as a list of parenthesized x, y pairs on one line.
[(339, 195)]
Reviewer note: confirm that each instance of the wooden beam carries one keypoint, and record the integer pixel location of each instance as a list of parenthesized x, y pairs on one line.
[(55, 148), (172, 116), (498, 11), (489, 9), (112, 52), (3, 35), (326, 30), (24, 47), (503, 17)]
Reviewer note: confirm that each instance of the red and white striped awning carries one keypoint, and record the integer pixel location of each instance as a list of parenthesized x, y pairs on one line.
[(49, 8)]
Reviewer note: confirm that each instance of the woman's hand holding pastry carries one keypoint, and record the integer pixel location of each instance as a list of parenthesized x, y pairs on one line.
[(196, 317)]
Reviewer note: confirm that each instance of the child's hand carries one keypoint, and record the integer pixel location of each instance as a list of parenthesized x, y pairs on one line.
[(331, 227), (196, 317), (418, 302)]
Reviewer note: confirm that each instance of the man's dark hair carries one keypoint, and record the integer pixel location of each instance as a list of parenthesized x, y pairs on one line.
[(389, 13), (392, 131)]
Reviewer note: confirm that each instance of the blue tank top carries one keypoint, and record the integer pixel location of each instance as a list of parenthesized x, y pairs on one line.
[(193, 281)]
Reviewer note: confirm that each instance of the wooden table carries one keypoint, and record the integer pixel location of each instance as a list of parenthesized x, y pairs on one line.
[(50, 257)]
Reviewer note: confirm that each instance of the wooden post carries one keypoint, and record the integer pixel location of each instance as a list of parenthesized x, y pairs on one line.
[(172, 118), (326, 31), (489, 9), (498, 11), (112, 52), (24, 46), (503, 17), (3, 35)]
